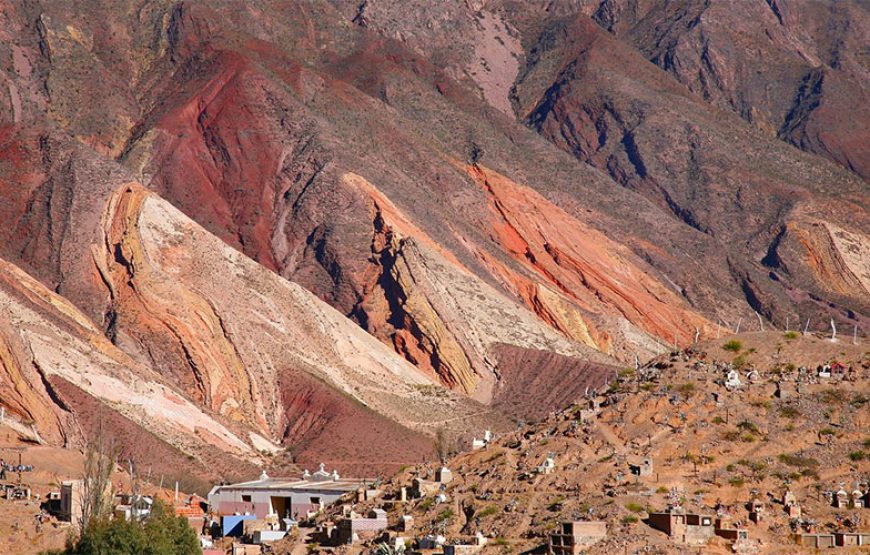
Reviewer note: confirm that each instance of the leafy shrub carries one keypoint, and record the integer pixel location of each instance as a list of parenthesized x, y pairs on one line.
[(755, 466), (731, 435), (629, 519), (634, 507), (798, 461), (748, 426), (686, 389), (788, 411), (733, 346), (737, 482), (791, 335), (488, 511), (833, 396), (857, 456)]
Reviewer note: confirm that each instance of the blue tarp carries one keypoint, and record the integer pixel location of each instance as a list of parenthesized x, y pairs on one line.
[(232, 524)]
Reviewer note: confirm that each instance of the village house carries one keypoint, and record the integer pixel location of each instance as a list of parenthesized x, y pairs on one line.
[(572, 538), (682, 527), (281, 496)]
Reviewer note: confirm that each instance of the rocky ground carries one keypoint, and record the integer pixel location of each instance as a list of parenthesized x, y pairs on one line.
[(709, 454)]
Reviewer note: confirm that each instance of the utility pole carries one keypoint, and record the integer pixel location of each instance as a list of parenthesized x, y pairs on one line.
[(807, 327), (833, 331), (760, 321), (737, 330)]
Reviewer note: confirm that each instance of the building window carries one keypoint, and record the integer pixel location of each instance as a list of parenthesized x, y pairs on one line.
[(315, 501), (246, 499)]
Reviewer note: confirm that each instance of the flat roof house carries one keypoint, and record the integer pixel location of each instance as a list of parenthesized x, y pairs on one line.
[(282, 496), (681, 527), (571, 538)]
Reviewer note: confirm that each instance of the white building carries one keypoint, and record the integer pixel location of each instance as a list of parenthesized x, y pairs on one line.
[(282, 496)]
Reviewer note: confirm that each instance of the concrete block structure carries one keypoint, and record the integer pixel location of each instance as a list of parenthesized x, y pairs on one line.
[(817, 541), (351, 529), (571, 538)]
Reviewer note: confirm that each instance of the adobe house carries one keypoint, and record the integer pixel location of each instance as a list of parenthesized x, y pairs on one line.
[(282, 496), (692, 529), (572, 538)]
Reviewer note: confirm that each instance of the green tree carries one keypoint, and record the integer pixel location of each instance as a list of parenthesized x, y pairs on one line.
[(162, 533), (169, 534)]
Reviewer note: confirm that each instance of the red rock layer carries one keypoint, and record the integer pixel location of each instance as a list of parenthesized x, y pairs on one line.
[(581, 262)]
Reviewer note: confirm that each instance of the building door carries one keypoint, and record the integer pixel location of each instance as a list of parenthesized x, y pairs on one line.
[(280, 506)]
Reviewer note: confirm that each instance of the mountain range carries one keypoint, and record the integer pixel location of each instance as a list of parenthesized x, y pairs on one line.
[(290, 232)]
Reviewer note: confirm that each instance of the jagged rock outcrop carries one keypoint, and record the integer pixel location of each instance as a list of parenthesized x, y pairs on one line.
[(47, 340)]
